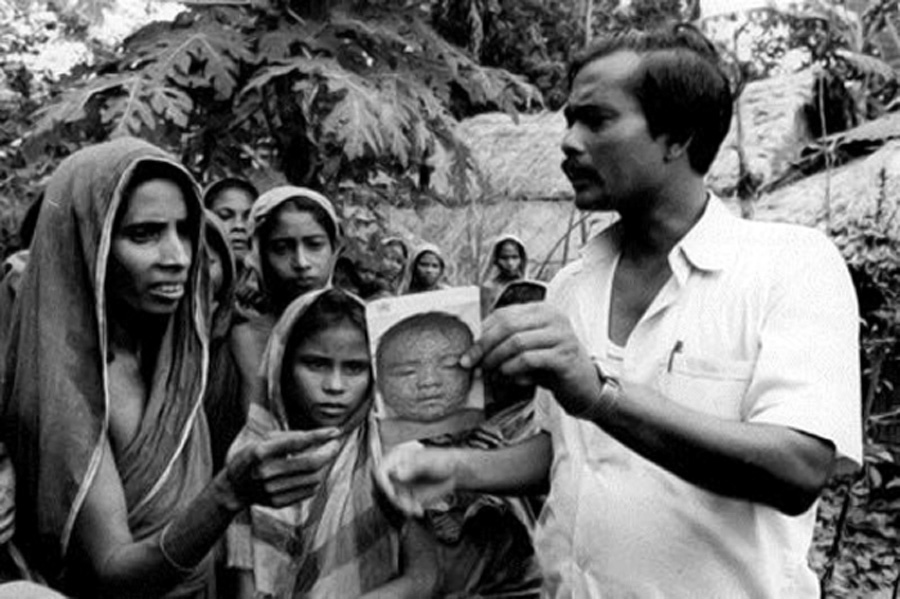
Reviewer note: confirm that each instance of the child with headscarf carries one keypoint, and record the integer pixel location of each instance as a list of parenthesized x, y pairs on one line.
[(394, 262), (297, 237), (340, 542), (510, 260), (427, 269), (106, 369)]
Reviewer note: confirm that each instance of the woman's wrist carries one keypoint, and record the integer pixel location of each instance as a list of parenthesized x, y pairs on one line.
[(225, 493)]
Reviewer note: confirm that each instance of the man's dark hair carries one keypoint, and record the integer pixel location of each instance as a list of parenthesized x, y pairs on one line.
[(680, 85)]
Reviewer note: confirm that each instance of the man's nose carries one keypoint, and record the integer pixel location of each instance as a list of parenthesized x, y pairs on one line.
[(572, 144)]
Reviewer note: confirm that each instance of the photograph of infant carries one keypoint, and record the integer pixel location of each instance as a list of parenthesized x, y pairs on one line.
[(417, 340)]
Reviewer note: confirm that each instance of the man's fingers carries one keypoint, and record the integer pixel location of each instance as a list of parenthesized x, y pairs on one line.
[(500, 325), (516, 344)]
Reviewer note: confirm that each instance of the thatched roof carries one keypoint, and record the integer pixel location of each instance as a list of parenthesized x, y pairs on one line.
[(857, 204), (521, 159)]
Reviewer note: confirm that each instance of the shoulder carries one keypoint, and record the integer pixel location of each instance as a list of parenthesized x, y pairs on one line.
[(787, 248)]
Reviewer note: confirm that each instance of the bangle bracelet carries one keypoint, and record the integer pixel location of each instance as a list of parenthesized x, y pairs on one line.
[(610, 390), (168, 558)]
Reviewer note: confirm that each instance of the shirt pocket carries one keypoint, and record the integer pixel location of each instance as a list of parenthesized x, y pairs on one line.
[(713, 386)]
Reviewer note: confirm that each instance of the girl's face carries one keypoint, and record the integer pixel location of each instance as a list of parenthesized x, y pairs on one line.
[(297, 253), (330, 374), (429, 269), (151, 249), (393, 261), (509, 260), (232, 206)]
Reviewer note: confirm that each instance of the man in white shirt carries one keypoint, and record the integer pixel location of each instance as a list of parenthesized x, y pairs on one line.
[(703, 369)]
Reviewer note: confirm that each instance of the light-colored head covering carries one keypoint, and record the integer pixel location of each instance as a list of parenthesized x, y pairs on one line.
[(56, 390), (495, 251), (348, 546), (420, 251), (268, 203)]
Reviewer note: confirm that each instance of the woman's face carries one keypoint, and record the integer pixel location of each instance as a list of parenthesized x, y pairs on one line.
[(393, 261), (151, 250), (330, 375), (298, 254), (429, 269), (232, 206), (509, 260)]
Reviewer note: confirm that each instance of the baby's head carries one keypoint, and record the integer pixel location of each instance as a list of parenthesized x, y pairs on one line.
[(417, 365)]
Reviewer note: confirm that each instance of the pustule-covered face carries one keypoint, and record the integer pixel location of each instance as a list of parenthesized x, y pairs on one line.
[(232, 206), (151, 249), (509, 259), (419, 376), (611, 160), (298, 255), (330, 375), (429, 269)]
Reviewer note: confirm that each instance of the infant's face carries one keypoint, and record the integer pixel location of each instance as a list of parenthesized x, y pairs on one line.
[(420, 377)]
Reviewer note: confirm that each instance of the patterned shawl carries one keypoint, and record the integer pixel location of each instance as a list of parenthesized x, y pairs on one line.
[(56, 390), (338, 543)]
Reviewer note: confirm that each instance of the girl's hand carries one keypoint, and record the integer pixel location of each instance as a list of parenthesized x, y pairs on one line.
[(281, 470)]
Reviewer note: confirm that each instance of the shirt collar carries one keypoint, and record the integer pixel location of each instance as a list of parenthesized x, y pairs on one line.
[(706, 246), (709, 243)]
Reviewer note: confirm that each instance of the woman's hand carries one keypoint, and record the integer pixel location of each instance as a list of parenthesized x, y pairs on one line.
[(281, 470)]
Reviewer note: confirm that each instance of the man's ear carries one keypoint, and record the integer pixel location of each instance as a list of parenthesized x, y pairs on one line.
[(676, 149)]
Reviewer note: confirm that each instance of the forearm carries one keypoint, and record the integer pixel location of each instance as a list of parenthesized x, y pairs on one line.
[(769, 464), (151, 566), (519, 469)]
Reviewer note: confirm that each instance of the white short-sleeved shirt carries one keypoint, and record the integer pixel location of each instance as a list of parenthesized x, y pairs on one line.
[(759, 323)]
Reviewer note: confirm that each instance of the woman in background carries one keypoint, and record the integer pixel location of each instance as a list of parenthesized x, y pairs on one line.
[(427, 269)]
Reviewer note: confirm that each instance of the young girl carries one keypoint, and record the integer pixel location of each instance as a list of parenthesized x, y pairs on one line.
[(106, 371), (509, 258), (296, 240), (427, 270), (339, 542)]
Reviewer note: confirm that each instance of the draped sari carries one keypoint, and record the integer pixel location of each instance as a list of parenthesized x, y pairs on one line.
[(339, 543), (56, 389)]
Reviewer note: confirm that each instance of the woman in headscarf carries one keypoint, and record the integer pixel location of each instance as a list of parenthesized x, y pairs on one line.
[(105, 373), (340, 542), (394, 261), (296, 240), (231, 200), (427, 269), (225, 411), (509, 258)]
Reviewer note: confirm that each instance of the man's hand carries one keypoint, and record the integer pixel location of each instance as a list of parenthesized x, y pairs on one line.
[(535, 344), (283, 469), (413, 477)]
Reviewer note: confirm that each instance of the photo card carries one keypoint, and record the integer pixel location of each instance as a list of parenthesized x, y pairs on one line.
[(416, 341)]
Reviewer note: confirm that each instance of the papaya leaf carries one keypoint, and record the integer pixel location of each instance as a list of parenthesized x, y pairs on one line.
[(206, 56), (867, 65), (72, 106)]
